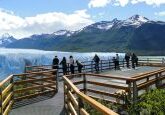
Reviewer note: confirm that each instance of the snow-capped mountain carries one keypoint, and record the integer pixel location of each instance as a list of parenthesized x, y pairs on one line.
[(136, 33), (63, 33), (6, 39), (135, 21)]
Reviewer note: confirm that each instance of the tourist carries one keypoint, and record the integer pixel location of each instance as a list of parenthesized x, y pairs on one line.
[(127, 58), (55, 63), (96, 59), (117, 62), (79, 65), (136, 61), (64, 65), (71, 63), (133, 59)]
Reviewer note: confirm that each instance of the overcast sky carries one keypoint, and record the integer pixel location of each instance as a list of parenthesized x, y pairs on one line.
[(22, 18)]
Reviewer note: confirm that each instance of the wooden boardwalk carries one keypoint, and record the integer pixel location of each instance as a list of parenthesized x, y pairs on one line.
[(54, 106)]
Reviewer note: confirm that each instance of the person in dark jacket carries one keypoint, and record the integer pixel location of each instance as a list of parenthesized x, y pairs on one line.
[(96, 59), (55, 63), (133, 59), (136, 61), (64, 65), (79, 65), (71, 62), (117, 62), (127, 58)]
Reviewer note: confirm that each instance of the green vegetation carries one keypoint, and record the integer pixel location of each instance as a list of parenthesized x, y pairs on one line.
[(151, 103), (89, 109)]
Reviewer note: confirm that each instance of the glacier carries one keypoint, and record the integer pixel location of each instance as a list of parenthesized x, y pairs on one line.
[(13, 61)]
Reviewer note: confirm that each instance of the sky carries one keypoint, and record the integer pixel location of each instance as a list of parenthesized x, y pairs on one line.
[(22, 18)]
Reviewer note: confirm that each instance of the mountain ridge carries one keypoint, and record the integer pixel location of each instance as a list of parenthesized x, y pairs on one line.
[(136, 34)]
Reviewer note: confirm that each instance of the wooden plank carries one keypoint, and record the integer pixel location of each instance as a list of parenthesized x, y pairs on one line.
[(107, 76), (8, 108), (33, 95), (31, 88), (107, 100), (92, 102), (6, 90), (38, 73), (32, 80), (73, 111), (6, 80), (103, 93), (139, 77), (7, 100), (146, 84), (108, 85), (73, 99), (83, 112), (98, 106)]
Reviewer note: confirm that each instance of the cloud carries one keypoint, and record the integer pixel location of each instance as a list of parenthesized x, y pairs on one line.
[(98, 3), (103, 3), (160, 13), (149, 2), (42, 23), (121, 2)]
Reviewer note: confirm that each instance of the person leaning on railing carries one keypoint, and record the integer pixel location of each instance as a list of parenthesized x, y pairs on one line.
[(64, 65), (80, 66), (71, 63)]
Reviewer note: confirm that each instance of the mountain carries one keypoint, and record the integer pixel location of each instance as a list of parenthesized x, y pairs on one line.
[(6, 39), (136, 34)]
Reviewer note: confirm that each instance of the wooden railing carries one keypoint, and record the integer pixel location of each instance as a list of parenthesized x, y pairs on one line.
[(143, 83), (88, 66), (74, 101), (152, 61), (113, 89), (16, 88)]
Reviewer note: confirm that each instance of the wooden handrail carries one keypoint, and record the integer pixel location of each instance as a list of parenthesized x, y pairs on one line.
[(9, 95), (89, 100), (40, 72), (145, 75), (5, 80)]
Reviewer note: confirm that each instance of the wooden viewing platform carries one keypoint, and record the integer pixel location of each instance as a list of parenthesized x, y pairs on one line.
[(35, 93)]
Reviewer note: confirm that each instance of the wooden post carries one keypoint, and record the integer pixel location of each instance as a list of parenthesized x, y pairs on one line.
[(91, 66), (68, 68), (1, 101), (56, 79), (80, 105), (123, 63), (148, 61), (158, 82), (12, 89), (64, 96), (109, 64), (129, 92), (101, 65), (147, 87), (85, 84), (135, 92)]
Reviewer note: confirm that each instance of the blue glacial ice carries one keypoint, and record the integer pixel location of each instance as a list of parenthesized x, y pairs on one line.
[(12, 61)]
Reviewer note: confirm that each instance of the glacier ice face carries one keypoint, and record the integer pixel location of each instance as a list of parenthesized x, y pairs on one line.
[(12, 61)]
